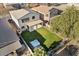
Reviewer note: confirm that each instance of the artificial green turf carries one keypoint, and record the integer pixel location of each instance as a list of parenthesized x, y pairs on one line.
[(43, 35)]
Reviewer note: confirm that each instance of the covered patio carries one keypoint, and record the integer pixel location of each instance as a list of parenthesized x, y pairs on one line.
[(33, 25)]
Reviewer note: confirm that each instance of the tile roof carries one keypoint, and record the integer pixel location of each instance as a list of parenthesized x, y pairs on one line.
[(41, 9)]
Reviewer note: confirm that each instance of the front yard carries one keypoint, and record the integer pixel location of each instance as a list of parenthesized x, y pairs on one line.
[(45, 37)]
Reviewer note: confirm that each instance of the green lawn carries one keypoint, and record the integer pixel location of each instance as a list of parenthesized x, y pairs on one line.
[(43, 35)]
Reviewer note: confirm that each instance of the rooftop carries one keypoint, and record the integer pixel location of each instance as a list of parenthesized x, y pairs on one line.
[(41, 9), (62, 7), (19, 13), (7, 35), (45, 9)]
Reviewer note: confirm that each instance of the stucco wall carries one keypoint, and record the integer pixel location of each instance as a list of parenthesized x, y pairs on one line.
[(15, 20), (37, 17), (47, 17)]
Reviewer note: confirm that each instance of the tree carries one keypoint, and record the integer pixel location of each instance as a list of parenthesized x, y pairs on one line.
[(39, 52), (71, 50), (67, 23)]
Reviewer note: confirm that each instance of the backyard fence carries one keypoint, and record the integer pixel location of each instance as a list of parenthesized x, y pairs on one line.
[(26, 45)]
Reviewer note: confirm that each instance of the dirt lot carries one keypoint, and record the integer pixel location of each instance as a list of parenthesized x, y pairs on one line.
[(3, 11)]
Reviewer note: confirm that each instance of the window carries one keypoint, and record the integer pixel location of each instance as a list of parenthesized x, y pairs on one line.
[(25, 20), (22, 27), (22, 21), (33, 17)]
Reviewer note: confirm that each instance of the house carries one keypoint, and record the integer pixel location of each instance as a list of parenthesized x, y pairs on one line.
[(13, 6), (46, 12), (8, 6), (26, 19), (9, 41), (31, 5)]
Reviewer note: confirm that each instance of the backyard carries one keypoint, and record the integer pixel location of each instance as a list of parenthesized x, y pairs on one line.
[(44, 36)]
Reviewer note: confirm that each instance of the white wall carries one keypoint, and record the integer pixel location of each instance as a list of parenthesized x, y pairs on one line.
[(31, 14), (15, 20), (47, 17), (37, 17)]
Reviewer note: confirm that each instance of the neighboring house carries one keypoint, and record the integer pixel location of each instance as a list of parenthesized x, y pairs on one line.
[(13, 6), (9, 41), (46, 12), (20, 5), (26, 19), (31, 5), (8, 6)]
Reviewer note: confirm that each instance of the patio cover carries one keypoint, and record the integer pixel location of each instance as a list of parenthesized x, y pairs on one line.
[(32, 23)]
